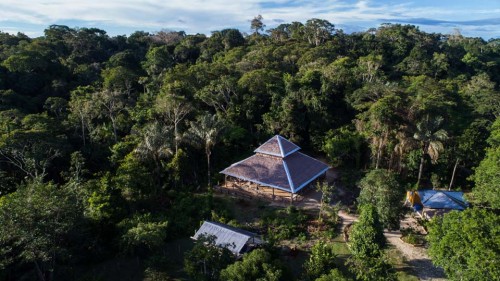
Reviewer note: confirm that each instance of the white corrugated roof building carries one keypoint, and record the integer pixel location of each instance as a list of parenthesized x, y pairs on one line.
[(234, 239)]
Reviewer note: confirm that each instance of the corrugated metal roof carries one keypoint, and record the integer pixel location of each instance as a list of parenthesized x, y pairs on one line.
[(441, 199), (226, 236)]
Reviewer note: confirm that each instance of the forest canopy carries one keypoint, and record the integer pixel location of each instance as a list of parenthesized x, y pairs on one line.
[(124, 133)]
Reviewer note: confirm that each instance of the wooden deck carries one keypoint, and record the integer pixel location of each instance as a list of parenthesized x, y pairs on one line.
[(250, 190)]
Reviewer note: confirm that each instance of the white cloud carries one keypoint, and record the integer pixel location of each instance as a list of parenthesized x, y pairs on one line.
[(206, 15)]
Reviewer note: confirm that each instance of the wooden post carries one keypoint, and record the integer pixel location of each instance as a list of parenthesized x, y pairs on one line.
[(291, 199), (273, 192)]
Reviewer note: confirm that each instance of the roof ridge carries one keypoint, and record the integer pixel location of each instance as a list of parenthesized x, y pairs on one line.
[(461, 203), (282, 152), (427, 197), (288, 176), (232, 228)]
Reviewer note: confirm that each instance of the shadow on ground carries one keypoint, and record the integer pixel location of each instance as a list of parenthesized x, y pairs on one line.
[(426, 270)]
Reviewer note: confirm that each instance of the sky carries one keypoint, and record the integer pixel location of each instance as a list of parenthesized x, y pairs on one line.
[(475, 18)]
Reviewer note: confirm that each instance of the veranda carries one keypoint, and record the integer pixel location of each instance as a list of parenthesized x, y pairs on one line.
[(250, 190)]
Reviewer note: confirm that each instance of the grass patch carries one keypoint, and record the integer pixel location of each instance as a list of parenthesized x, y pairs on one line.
[(340, 246), (404, 276), (396, 259)]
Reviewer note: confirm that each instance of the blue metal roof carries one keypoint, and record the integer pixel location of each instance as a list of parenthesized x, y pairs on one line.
[(441, 199)]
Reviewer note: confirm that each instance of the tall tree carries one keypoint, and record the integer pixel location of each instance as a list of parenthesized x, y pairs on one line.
[(173, 110), (33, 146), (112, 103), (318, 31), (220, 94), (257, 25), (155, 146), (82, 111), (431, 137), (483, 95), (381, 189), (205, 133)]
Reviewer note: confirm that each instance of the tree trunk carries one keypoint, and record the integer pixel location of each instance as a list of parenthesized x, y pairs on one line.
[(379, 154), (83, 131), (176, 138), (157, 175), (391, 160), (39, 272), (421, 167), (113, 123), (453, 174), (208, 152), (321, 207)]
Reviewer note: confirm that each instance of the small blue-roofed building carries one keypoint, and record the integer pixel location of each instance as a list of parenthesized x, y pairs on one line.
[(238, 241), (429, 203)]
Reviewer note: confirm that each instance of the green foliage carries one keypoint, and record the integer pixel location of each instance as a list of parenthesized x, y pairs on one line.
[(366, 242), (334, 275), (256, 265), (284, 223), (372, 268), (328, 213), (321, 260), (343, 147), (381, 189), (102, 201), (188, 210), (257, 25), (36, 223), (205, 133), (133, 179), (178, 167), (413, 239), (483, 95), (206, 260), (487, 175), (143, 231), (367, 235), (466, 244)]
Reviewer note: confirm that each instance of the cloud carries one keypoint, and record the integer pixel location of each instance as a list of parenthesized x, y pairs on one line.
[(203, 16), (426, 21)]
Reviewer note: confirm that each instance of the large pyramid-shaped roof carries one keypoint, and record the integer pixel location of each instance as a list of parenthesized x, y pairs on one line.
[(277, 163), (277, 146)]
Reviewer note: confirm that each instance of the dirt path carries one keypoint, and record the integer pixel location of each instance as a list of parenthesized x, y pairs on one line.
[(416, 257)]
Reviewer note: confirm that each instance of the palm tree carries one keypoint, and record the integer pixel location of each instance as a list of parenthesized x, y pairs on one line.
[(155, 146), (205, 134), (431, 138)]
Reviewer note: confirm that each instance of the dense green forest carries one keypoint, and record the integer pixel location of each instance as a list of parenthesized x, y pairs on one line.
[(108, 143)]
